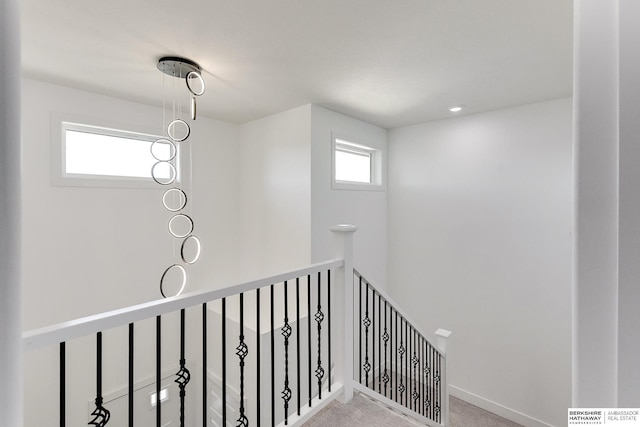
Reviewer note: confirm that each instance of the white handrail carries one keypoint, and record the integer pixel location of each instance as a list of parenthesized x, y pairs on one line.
[(65, 331)]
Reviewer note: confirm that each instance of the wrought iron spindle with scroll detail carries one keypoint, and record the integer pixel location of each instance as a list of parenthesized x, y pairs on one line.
[(401, 351), (427, 385), (286, 333), (183, 376), (385, 339), (242, 350), (395, 366), (415, 360), (319, 316), (101, 415), (366, 322), (436, 381)]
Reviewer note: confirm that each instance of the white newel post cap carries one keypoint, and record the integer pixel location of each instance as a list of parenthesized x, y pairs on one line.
[(344, 228), (442, 335)]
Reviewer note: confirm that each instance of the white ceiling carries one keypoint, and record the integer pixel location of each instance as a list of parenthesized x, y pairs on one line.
[(388, 62)]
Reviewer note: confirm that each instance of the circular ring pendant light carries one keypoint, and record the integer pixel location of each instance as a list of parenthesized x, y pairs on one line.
[(166, 151)]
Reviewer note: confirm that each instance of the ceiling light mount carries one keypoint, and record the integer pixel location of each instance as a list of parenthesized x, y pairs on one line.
[(456, 108), (176, 66)]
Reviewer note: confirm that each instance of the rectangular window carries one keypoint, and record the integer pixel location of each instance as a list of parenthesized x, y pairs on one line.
[(356, 166), (353, 165), (103, 157)]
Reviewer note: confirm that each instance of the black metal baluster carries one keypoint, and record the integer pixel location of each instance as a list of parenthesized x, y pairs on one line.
[(309, 335), (63, 384), (385, 338), (379, 347), (205, 376), (319, 318), (183, 375), (241, 351), (425, 379), (419, 373), (298, 344), (224, 362), (329, 327), (273, 375), (410, 373), (423, 376), (366, 322), (428, 380), (101, 415), (286, 333), (258, 335), (437, 380), (373, 339), (360, 330), (415, 361), (406, 364), (131, 375), (401, 351), (396, 366), (434, 398), (158, 370)]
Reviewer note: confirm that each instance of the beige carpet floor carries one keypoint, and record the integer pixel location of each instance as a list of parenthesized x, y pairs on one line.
[(365, 412)]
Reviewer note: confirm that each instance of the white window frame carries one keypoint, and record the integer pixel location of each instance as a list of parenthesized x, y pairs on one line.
[(59, 177), (376, 164)]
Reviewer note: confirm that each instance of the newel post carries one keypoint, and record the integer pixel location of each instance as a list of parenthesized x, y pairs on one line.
[(441, 341), (343, 248)]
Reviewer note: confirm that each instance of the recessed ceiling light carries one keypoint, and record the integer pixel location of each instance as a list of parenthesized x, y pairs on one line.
[(456, 108)]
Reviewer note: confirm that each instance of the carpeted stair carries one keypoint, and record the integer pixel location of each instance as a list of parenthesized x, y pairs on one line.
[(363, 411)]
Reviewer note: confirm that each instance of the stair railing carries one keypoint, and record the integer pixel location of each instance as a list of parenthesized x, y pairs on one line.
[(272, 351), (396, 362)]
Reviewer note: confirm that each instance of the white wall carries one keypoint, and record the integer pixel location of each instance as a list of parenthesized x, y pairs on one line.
[(479, 243), (275, 208), (366, 209), (88, 250), (629, 269)]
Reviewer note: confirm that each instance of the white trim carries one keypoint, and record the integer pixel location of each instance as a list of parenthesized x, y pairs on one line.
[(65, 331), (316, 405), (496, 408)]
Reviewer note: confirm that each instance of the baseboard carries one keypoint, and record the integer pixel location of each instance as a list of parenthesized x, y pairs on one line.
[(496, 408)]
